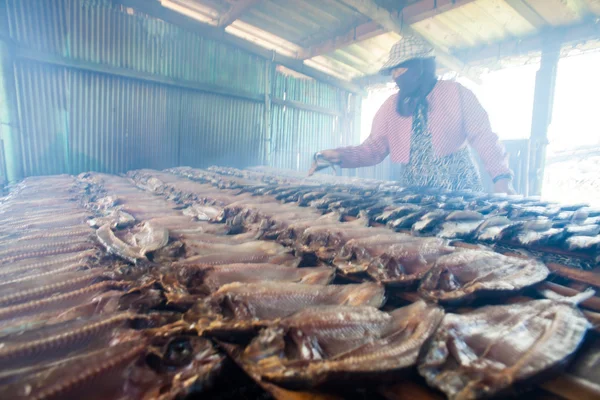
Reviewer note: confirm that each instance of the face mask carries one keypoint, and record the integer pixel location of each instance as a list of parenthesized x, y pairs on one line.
[(410, 81)]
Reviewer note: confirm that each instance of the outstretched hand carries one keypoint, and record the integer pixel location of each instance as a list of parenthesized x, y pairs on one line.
[(324, 159)]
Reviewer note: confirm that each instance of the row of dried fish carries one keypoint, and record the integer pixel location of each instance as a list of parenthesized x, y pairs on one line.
[(74, 321), (311, 337), (445, 273), (468, 216), (222, 280), (184, 275)]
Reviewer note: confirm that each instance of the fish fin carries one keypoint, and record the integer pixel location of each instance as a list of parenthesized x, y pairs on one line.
[(573, 300)]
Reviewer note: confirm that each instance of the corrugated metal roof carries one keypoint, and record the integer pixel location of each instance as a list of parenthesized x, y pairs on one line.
[(296, 28)]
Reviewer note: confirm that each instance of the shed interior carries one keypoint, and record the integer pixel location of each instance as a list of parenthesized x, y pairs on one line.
[(114, 85)]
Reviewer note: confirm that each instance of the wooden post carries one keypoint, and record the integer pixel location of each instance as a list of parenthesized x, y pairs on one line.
[(543, 102)]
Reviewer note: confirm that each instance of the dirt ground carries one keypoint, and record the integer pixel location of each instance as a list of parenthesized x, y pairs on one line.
[(573, 181)]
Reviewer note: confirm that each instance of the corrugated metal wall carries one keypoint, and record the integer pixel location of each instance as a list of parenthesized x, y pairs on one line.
[(308, 120), (103, 88), (100, 87)]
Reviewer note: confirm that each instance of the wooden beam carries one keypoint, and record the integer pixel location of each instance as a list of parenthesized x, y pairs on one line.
[(372, 80), (513, 47), (393, 24), (424, 9), (528, 13), (574, 34), (411, 14), (236, 11), (155, 10), (356, 34)]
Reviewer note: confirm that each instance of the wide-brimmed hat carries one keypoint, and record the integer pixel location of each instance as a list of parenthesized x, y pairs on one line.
[(405, 49)]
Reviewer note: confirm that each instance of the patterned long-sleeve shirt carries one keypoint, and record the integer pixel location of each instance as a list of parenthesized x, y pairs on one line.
[(456, 118)]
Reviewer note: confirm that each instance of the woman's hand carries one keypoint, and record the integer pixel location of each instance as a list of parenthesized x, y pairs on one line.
[(504, 186), (329, 156)]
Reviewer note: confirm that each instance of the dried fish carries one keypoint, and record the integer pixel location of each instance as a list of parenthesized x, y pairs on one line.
[(62, 249), (214, 277), (461, 225), (467, 273), (152, 237), (82, 303), (429, 223), (116, 246), (487, 351), (584, 243), (407, 263), (250, 252), (243, 307), (327, 345), (90, 375), (269, 300), (491, 229), (393, 258), (186, 364), (397, 212), (25, 291), (331, 238), (52, 341)]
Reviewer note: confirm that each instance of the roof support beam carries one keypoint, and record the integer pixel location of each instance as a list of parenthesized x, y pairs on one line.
[(411, 14), (391, 23), (421, 10), (156, 10), (528, 13), (236, 11), (574, 34), (357, 34)]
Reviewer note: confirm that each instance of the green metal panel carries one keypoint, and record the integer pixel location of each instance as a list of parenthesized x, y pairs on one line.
[(77, 118), (3, 19), (308, 91), (217, 130), (96, 31), (298, 132), (42, 111), (11, 167)]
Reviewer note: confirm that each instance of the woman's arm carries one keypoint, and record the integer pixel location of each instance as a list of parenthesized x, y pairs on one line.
[(370, 152), (481, 137)]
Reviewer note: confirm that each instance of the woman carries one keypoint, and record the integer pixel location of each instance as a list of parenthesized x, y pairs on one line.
[(426, 127)]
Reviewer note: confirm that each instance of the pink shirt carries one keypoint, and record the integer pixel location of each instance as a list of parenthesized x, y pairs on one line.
[(455, 119)]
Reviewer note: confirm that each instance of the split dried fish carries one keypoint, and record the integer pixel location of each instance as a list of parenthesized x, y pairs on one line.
[(250, 252), (269, 300), (460, 225), (240, 307), (487, 351), (214, 277), (465, 274), (393, 258), (327, 345), (93, 375)]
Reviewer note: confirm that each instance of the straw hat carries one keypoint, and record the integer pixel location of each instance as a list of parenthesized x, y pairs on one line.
[(405, 49)]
